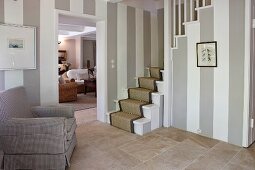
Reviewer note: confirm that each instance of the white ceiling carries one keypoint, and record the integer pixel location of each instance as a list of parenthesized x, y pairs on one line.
[(149, 5), (71, 27)]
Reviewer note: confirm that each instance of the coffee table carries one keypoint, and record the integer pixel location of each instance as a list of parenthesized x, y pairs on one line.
[(92, 83)]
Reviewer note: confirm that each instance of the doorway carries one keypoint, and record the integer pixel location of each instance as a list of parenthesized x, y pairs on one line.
[(98, 72)]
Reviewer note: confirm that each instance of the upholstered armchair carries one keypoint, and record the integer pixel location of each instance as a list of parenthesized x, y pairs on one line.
[(37, 138)]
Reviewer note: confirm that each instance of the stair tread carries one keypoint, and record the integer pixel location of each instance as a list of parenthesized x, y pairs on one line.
[(124, 120), (141, 94)]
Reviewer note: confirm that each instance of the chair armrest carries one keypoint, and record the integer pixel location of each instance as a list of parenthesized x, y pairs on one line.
[(53, 111), (32, 126), (33, 136)]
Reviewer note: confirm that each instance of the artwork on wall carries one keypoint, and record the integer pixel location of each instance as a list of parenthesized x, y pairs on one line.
[(207, 54), (62, 56), (17, 47)]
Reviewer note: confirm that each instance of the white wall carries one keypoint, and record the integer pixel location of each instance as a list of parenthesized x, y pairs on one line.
[(70, 47)]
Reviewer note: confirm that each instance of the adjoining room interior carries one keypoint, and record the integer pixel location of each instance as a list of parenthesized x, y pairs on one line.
[(77, 62)]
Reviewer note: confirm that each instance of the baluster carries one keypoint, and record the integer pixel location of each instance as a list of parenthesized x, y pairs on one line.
[(180, 18), (185, 11), (174, 17), (191, 10), (197, 3), (203, 2)]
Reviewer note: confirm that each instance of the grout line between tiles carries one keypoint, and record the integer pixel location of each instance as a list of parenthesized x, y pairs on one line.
[(232, 158), (208, 151)]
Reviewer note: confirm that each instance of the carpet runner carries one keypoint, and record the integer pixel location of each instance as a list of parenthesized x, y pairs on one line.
[(131, 108)]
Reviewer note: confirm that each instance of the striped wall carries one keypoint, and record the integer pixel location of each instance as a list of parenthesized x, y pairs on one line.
[(133, 36), (22, 12), (112, 53), (210, 100), (77, 6)]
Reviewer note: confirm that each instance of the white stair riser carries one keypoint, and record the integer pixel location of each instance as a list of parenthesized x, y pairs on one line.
[(108, 117), (142, 126), (160, 86), (152, 112), (158, 99)]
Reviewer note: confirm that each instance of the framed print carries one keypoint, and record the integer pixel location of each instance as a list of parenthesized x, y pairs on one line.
[(17, 47), (207, 54)]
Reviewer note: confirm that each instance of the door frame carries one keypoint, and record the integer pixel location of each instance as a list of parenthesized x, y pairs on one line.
[(247, 131)]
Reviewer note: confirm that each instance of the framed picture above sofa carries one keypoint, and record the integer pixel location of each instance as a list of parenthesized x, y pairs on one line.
[(17, 47)]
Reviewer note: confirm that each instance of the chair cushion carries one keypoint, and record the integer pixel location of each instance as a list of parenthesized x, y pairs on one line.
[(14, 104), (70, 125)]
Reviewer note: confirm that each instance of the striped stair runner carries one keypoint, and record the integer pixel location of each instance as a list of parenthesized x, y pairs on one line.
[(131, 108)]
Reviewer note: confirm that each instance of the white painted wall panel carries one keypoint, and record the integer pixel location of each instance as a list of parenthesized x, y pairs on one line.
[(221, 73), (193, 83), (48, 66), (139, 43)]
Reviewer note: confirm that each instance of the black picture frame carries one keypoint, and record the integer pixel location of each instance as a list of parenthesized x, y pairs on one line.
[(207, 54)]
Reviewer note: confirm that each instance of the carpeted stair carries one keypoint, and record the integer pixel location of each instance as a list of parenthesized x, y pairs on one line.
[(131, 108)]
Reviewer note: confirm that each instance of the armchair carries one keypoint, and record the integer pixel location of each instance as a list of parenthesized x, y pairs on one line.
[(40, 138)]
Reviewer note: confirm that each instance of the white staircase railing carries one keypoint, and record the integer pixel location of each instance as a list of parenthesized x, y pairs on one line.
[(185, 11)]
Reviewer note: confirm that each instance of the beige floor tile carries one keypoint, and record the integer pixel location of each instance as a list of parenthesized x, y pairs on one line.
[(182, 154), (232, 166), (245, 158), (148, 146), (216, 158)]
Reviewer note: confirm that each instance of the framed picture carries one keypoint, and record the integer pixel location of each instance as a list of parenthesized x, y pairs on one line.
[(62, 56), (17, 47), (207, 54)]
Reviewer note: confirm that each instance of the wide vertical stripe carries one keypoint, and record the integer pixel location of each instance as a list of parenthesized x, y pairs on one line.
[(122, 50), (76, 6), (13, 13), (89, 7), (221, 73), (32, 77), (131, 47), (2, 20), (193, 83), (180, 84), (147, 38), (139, 44), (1, 10), (154, 40), (236, 71), (206, 76), (62, 5), (161, 37), (112, 53)]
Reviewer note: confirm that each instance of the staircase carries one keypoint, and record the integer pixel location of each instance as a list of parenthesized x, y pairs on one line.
[(142, 111)]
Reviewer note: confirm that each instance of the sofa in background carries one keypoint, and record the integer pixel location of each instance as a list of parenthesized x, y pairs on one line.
[(37, 138)]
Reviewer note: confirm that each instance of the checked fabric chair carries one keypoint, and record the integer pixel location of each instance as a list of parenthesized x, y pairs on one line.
[(39, 138)]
